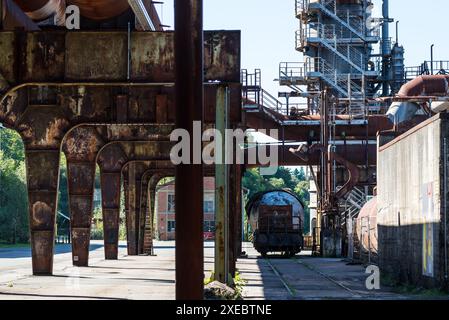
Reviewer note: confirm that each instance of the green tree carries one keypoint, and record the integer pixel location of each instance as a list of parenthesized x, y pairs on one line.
[(13, 201)]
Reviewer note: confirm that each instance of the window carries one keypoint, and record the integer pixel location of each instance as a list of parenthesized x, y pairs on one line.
[(171, 225), (171, 203), (208, 206), (209, 226), (209, 203)]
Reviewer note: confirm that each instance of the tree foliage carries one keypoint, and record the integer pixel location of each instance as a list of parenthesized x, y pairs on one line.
[(13, 191)]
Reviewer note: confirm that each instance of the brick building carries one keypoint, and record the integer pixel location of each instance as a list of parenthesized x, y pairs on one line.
[(165, 209)]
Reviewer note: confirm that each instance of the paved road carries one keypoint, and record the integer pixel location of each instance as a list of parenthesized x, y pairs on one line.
[(130, 277)]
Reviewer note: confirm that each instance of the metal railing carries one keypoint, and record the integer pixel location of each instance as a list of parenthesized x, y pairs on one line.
[(344, 17), (291, 71), (427, 68)]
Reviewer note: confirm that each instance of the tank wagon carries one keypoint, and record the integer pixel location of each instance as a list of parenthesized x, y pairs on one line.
[(277, 221)]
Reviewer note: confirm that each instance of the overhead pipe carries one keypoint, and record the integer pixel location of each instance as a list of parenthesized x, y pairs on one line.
[(43, 9), (13, 17), (422, 86)]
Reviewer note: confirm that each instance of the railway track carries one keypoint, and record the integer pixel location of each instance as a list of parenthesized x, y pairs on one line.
[(291, 291), (293, 288)]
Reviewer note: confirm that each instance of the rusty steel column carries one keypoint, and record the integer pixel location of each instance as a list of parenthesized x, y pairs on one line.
[(144, 209), (81, 147), (111, 161), (42, 183), (222, 192), (127, 216), (189, 177), (233, 212), (81, 184), (238, 210), (110, 201), (149, 223), (133, 202)]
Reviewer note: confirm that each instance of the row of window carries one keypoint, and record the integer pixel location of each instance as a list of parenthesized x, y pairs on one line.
[(208, 226), (208, 205)]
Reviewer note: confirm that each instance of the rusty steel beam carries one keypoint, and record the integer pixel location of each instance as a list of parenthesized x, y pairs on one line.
[(63, 56), (308, 128), (189, 108)]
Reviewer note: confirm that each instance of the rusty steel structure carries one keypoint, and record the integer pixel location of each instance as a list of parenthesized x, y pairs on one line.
[(114, 104)]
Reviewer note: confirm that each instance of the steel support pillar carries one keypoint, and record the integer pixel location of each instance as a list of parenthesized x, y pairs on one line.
[(110, 202), (189, 177), (222, 189), (81, 184), (144, 211), (149, 223), (134, 189), (111, 162), (42, 183), (238, 210), (233, 220)]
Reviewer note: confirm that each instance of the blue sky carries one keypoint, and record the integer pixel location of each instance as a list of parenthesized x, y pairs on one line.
[(268, 30)]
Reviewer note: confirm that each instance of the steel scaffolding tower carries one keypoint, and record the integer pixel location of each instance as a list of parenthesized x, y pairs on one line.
[(337, 39)]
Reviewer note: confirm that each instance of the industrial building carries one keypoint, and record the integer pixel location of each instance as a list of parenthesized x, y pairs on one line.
[(104, 83)]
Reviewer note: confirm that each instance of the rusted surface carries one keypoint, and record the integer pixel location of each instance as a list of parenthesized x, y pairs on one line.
[(44, 57), (42, 181), (96, 104), (100, 9), (46, 114), (433, 85), (42, 127), (189, 108), (105, 58), (298, 132)]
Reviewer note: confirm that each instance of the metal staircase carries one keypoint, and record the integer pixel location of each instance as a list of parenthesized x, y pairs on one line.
[(329, 7), (326, 36), (336, 41), (258, 99), (353, 203)]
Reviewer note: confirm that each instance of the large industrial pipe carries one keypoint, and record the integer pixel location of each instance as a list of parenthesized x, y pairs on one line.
[(12, 17), (189, 177), (101, 9), (433, 85), (43, 9), (96, 10)]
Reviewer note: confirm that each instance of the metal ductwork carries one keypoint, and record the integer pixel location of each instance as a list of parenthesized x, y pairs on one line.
[(422, 86)]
